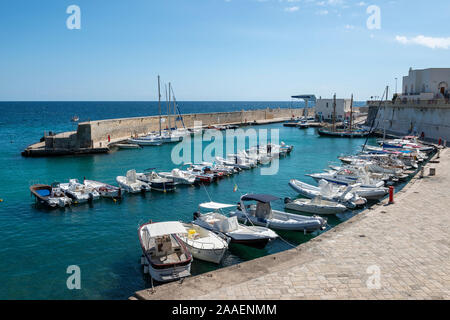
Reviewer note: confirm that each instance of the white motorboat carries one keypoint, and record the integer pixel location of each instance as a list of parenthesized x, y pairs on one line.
[(179, 176), (217, 222), (79, 192), (329, 191), (347, 177), (262, 214), (232, 163), (166, 257), (127, 146), (51, 196), (131, 184), (105, 190), (204, 244), (241, 161), (156, 182), (150, 140), (316, 205)]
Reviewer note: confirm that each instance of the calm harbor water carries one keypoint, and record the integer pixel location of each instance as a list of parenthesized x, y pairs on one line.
[(37, 246)]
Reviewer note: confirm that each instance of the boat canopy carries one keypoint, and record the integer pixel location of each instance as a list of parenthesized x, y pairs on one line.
[(264, 198), (165, 228), (215, 205)]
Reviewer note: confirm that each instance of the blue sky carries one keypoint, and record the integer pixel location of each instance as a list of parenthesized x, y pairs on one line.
[(215, 49)]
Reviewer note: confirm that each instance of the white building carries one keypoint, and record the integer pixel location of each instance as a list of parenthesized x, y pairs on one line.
[(426, 84), (324, 109)]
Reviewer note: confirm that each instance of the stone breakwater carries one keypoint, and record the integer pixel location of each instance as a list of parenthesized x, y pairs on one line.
[(96, 136)]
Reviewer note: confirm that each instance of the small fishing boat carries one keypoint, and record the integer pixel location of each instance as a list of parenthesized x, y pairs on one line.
[(105, 190), (328, 191), (146, 141), (199, 174), (50, 196), (127, 146), (156, 182), (303, 124), (343, 133), (131, 184), (256, 237), (166, 257), (262, 214), (233, 163), (79, 193), (180, 177), (75, 119), (316, 205), (204, 244)]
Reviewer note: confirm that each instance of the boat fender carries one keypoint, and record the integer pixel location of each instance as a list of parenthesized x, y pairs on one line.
[(196, 215), (287, 200)]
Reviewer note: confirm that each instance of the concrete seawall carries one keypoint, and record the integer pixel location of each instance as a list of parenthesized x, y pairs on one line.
[(430, 117), (94, 136)]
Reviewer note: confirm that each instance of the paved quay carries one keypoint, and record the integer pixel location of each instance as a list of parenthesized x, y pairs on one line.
[(399, 251)]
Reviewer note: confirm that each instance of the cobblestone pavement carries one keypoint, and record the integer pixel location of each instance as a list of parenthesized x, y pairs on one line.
[(399, 251)]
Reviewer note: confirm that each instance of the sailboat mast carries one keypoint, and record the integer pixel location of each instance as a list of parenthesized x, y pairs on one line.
[(351, 114), (168, 110), (159, 104)]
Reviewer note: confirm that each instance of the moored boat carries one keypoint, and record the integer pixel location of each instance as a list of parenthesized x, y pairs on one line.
[(217, 222), (204, 244), (131, 184), (262, 214), (105, 190), (165, 255), (50, 196), (316, 205)]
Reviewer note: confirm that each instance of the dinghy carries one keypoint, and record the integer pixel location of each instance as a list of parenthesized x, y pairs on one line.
[(79, 193), (131, 184), (315, 206), (204, 244), (105, 190), (127, 146), (262, 214), (330, 192), (50, 196), (165, 255), (256, 237)]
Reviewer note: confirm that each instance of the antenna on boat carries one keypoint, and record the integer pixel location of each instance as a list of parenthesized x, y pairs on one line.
[(177, 109), (374, 118), (159, 104)]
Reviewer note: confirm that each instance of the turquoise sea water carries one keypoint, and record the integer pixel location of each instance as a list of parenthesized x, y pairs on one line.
[(37, 246)]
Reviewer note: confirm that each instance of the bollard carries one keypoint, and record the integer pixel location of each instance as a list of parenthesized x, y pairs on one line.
[(391, 195), (422, 172), (432, 171)]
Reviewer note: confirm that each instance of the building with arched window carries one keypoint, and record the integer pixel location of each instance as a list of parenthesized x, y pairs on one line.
[(427, 84)]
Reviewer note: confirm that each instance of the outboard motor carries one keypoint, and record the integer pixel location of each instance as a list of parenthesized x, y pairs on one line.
[(287, 200), (196, 215), (91, 197)]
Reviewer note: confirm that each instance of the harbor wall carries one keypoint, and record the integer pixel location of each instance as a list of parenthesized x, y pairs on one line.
[(96, 133), (430, 117)]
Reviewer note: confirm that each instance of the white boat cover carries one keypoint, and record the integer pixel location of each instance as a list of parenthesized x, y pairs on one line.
[(215, 205), (165, 228)]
